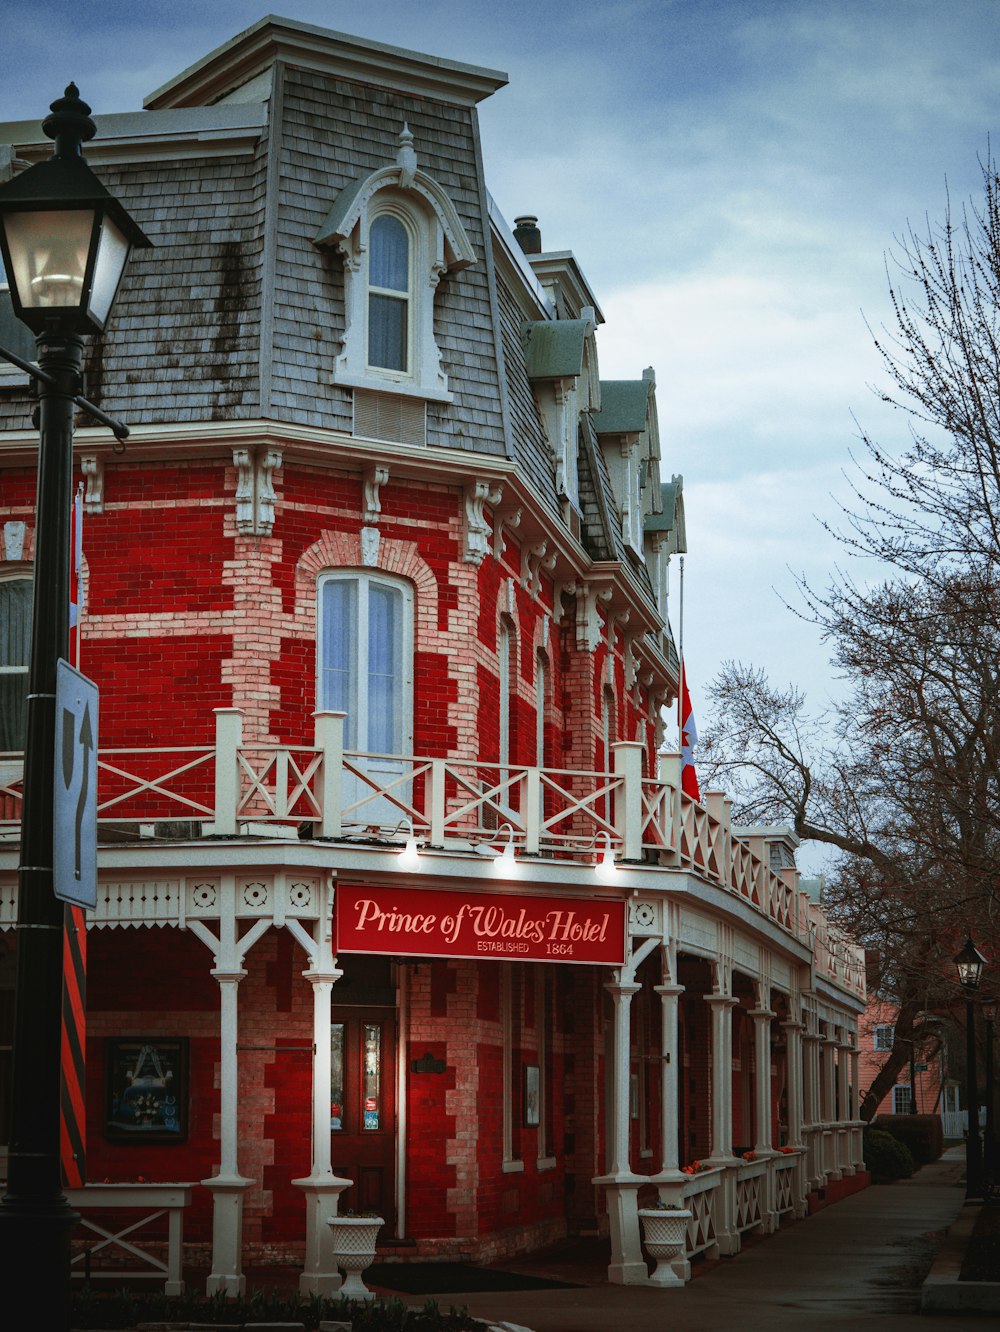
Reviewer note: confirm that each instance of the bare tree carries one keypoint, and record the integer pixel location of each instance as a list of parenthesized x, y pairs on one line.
[(902, 778)]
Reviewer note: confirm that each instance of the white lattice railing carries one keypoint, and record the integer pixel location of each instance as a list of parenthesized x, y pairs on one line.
[(784, 1183), (698, 1195), (231, 786), (751, 1181)]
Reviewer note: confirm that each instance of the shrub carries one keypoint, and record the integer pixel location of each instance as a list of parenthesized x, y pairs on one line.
[(886, 1158), (923, 1134)]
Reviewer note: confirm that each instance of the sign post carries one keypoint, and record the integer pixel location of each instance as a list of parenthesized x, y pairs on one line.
[(74, 793)]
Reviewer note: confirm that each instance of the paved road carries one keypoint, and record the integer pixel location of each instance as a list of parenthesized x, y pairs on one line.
[(855, 1265)]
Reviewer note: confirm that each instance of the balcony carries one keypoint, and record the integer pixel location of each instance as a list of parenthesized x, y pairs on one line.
[(321, 792)]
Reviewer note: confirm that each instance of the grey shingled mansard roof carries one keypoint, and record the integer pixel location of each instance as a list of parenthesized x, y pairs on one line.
[(235, 313)]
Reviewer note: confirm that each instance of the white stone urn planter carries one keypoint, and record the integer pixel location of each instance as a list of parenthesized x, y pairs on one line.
[(354, 1239), (664, 1232)]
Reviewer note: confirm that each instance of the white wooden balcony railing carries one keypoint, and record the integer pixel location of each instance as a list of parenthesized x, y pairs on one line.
[(322, 791)]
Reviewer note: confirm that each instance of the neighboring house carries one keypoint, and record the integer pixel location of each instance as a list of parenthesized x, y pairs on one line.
[(876, 1033), (394, 898)]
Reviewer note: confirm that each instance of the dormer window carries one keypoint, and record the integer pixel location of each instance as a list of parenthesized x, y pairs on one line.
[(389, 287), (399, 234)]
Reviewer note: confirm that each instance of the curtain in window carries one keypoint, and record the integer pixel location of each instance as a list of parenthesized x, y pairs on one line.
[(388, 271), (338, 652), (503, 666), (362, 632), (15, 639), (385, 641)]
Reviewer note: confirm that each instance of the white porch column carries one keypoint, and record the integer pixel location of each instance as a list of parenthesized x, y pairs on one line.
[(627, 1267), (857, 1130), (845, 1153), (814, 1134), (721, 1009), (762, 1019), (322, 1188), (228, 1185), (794, 1064), (669, 1077), (827, 1107)]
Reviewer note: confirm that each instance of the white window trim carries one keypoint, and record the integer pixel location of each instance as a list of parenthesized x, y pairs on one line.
[(10, 375), (440, 246), (387, 207), (365, 578), (511, 1164), (12, 769), (902, 1089), (883, 1044)]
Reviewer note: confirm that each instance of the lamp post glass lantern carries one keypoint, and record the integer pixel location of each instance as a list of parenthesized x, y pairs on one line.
[(64, 239), (64, 243), (969, 963)]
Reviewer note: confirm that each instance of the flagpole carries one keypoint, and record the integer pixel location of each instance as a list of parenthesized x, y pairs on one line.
[(680, 653)]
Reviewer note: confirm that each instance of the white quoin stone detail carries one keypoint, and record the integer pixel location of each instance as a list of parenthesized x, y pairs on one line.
[(369, 547), (92, 467), (255, 495), (477, 530), (13, 540)]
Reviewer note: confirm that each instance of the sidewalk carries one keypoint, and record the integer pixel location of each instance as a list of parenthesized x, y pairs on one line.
[(854, 1265)]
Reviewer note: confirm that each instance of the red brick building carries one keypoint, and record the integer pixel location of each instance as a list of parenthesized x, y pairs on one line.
[(386, 562)]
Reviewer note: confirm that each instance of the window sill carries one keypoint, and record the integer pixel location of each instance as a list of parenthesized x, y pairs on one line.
[(404, 388), (545, 1163), (13, 378), (512, 1168)]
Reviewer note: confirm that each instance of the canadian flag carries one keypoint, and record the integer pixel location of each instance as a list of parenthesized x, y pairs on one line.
[(689, 738)]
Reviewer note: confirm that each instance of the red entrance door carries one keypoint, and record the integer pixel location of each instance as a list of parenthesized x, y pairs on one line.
[(363, 1108)]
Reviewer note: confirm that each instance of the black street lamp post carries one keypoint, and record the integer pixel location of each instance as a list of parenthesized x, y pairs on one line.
[(64, 242), (970, 962)]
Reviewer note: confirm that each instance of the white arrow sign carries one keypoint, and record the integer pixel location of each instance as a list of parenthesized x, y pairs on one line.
[(75, 793)]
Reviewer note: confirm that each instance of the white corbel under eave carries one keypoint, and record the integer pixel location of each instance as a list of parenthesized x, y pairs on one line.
[(92, 467), (477, 534), (255, 495)]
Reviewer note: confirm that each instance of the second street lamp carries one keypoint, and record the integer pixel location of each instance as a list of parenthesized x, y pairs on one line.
[(969, 963), (65, 242)]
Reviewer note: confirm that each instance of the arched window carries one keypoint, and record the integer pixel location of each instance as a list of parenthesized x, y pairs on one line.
[(366, 659), (541, 700), (504, 636), (399, 233), (389, 285), (15, 640)]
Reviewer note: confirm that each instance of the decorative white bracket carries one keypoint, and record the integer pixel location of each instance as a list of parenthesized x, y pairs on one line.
[(92, 467), (558, 592), (477, 529), (255, 495), (375, 477), (588, 617), (510, 519), (533, 561)]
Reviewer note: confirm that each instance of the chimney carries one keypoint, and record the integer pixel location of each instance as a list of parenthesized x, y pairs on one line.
[(527, 235)]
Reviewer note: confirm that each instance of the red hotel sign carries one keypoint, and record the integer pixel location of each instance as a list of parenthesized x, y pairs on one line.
[(432, 922)]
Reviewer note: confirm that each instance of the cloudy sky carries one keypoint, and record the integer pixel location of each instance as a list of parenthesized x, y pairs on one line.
[(730, 175)]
